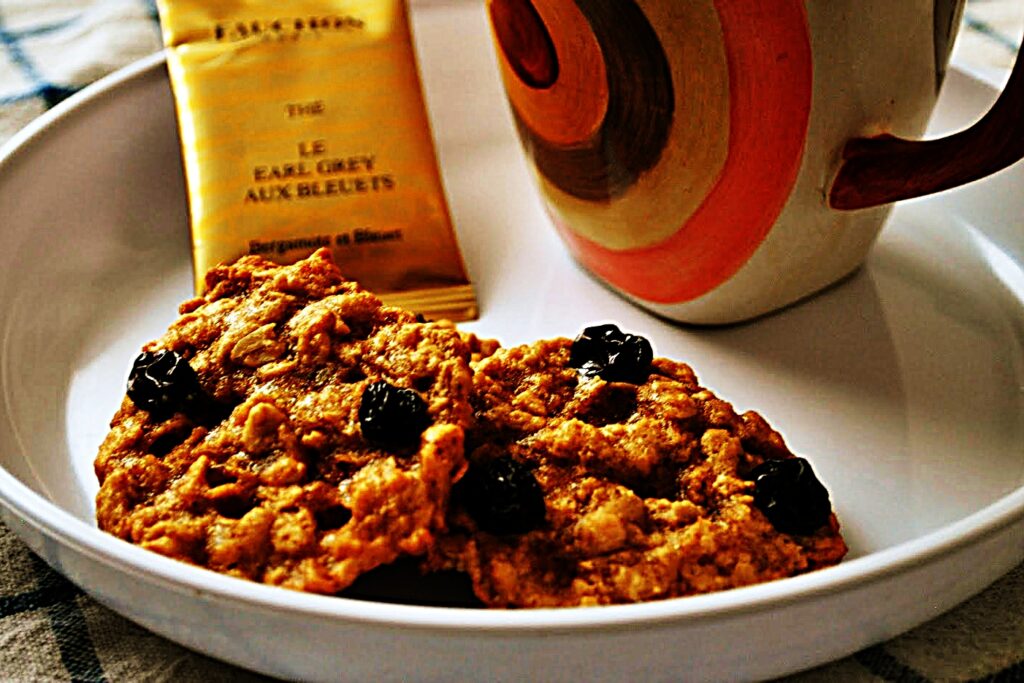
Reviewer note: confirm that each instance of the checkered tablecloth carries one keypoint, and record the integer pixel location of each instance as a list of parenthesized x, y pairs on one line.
[(51, 631)]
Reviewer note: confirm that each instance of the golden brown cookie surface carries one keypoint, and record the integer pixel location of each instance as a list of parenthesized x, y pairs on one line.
[(270, 475), (645, 488)]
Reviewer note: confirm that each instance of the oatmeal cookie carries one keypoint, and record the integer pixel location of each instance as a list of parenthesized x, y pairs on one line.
[(288, 428), (599, 474)]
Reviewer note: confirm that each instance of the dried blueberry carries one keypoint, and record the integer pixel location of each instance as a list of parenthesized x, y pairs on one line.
[(790, 496), (591, 346), (630, 361), (163, 382), (502, 496), (605, 351), (392, 417)]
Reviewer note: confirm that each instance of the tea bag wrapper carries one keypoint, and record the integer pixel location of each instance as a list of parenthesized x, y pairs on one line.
[(303, 125)]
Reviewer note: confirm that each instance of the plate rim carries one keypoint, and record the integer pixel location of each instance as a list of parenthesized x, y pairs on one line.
[(58, 524)]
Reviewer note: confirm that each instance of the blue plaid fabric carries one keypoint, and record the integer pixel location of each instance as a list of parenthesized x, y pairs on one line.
[(51, 631), (980, 20), (50, 49)]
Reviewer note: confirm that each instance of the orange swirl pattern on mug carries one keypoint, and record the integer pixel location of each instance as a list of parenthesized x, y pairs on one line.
[(706, 108), (560, 101)]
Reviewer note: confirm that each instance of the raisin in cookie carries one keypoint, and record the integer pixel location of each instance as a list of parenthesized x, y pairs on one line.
[(598, 474), (288, 428)]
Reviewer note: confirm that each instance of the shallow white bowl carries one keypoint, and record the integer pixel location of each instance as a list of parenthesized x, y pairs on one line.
[(903, 385)]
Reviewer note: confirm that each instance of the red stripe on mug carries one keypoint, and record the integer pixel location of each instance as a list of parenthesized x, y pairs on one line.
[(770, 79)]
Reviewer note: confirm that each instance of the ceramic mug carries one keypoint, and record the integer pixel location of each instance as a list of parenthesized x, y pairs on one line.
[(715, 160)]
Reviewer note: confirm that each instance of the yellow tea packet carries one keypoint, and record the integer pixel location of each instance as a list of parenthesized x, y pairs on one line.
[(303, 125)]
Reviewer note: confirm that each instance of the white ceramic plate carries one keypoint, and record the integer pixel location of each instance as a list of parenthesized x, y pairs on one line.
[(903, 385)]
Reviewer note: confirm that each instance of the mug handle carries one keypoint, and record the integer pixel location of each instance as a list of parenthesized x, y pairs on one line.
[(884, 169)]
